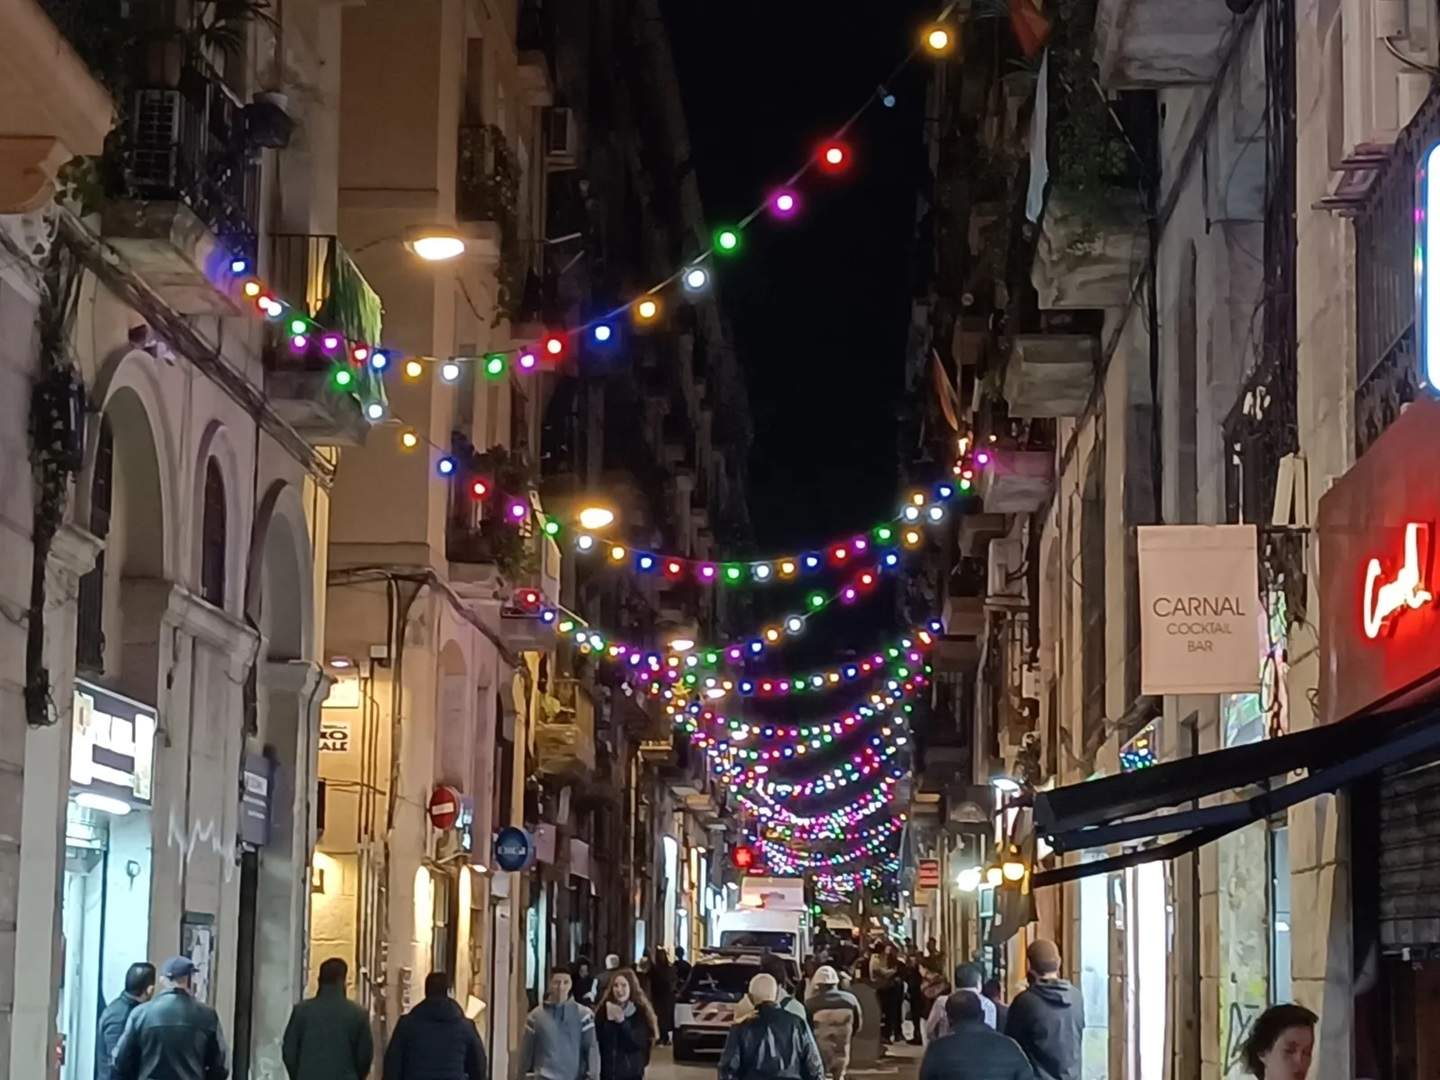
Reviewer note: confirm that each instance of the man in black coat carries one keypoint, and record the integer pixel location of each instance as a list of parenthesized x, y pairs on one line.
[(328, 1036), (771, 1043), (973, 1050), (172, 1036), (139, 988), (1048, 1020), (435, 1040)]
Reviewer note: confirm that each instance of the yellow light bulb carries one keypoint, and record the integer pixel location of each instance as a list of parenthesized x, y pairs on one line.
[(787, 568), (414, 369), (772, 635), (994, 875), (912, 537), (617, 553), (937, 39), (646, 310), (409, 440)]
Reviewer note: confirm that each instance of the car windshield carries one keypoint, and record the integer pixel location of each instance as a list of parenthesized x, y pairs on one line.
[(719, 982), (776, 941)]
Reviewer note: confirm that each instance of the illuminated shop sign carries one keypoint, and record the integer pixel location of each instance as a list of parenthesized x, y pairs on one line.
[(1387, 595), (112, 742)]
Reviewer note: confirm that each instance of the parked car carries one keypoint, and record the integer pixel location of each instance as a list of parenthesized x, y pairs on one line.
[(705, 1005)]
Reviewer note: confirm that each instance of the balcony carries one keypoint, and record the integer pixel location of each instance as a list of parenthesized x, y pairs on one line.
[(316, 275), (184, 187), (977, 530), (1149, 44), (565, 732), (51, 107), (1050, 375), (1017, 481), (1082, 262)]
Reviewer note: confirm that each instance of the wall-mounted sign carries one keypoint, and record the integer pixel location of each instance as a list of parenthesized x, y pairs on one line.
[(514, 850), (1200, 612), (257, 788), (112, 741), (334, 735), (927, 874), (444, 807), (1379, 618)]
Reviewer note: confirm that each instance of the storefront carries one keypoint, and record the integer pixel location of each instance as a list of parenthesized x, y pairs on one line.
[(108, 838), (1380, 641)]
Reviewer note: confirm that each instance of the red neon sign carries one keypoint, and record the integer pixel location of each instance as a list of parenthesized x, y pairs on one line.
[(1385, 600)]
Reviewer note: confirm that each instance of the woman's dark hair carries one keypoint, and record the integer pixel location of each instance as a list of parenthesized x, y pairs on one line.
[(1269, 1026)]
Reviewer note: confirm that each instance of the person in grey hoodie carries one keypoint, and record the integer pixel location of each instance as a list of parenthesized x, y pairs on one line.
[(559, 1041), (1048, 1019)]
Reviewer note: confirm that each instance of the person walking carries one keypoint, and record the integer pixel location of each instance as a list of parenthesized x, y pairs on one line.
[(682, 968), (139, 988), (1280, 1043), (772, 965), (559, 1040), (328, 1036), (582, 981), (913, 981), (885, 977), (994, 992), (968, 978), (172, 1036), (625, 1028), (1048, 1019), (662, 993), (436, 1040), (770, 1044), (834, 1019), (612, 965), (973, 1050)]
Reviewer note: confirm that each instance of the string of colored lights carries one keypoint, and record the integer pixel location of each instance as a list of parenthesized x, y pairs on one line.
[(777, 831), (814, 860), (841, 775), (850, 814), (833, 157), (798, 740), (850, 881)]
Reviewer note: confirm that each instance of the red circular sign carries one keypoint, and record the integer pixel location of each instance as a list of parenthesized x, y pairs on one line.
[(444, 807)]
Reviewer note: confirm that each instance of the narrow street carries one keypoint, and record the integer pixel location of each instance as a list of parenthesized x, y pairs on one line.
[(902, 1062)]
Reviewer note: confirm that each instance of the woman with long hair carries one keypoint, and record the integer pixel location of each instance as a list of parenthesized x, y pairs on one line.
[(1281, 1042), (625, 1028)]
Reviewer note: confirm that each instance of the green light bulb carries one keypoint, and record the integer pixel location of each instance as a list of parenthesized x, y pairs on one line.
[(727, 241), (712, 658), (884, 533), (551, 527), (297, 326), (495, 365), (733, 573), (816, 600), (344, 377)]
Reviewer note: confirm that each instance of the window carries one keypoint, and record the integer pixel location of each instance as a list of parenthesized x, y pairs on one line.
[(1092, 598), (90, 613), (212, 536)]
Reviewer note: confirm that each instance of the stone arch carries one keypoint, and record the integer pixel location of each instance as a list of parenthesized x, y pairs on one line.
[(455, 696), (215, 445), (279, 594)]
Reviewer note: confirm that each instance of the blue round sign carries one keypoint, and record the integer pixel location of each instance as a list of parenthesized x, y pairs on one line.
[(513, 849)]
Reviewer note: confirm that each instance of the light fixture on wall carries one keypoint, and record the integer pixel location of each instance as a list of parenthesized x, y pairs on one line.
[(434, 243)]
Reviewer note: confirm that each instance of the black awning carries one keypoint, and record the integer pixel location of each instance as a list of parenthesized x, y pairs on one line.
[(1113, 810)]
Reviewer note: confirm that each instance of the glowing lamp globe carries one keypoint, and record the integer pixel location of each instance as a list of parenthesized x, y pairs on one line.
[(436, 245), (596, 517), (834, 156), (938, 39)]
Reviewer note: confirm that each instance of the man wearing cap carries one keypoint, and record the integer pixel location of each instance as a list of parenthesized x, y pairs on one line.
[(172, 1036), (834, 1017), (1048, 1020), (770, 1044)]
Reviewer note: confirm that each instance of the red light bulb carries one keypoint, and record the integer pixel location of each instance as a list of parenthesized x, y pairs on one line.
[(834, 156)]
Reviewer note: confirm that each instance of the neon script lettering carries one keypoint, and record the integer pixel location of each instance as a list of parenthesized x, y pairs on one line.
[(1383, 600)]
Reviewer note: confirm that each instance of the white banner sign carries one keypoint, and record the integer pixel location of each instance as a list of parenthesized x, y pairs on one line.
[(1200, 614)]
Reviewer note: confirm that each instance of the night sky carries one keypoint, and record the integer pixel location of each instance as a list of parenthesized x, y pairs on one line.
[(820, 305)]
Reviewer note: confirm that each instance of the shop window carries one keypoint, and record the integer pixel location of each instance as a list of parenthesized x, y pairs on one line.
[(212, 536), (90, 604)]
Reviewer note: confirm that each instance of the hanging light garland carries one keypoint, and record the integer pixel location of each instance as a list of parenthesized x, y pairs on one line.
[(776, 830), (852, 770), (778, 853), (794, 740)]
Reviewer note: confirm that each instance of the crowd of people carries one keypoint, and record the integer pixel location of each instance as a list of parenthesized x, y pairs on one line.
[(604, 1026)]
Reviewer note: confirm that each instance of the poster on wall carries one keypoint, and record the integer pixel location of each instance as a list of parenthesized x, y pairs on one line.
[(1199, 609), (197, 939)]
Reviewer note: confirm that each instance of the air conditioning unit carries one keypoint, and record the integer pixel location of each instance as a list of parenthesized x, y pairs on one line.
[(562, 139), (1005, 577)]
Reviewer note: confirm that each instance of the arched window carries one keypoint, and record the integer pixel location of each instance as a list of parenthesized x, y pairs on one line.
[(212, 536)]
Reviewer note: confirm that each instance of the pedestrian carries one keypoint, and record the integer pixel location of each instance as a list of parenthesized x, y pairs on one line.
[(770, 1044), (583, 982), (968, 978), (172, 1036), (885, 975), (328, 1036), (1048, 1019), (834, 1018), (993, 991), (772, 965), (934, 990), (612, 965), (973, 1050), (662, 993), (559, 1041), (625, 1028), (682, 968), (913, 980), (436, 1040), (139, 988), (1280, 1043)]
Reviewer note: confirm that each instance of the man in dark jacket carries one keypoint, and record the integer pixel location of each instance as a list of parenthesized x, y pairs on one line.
[(1048, 1020), (435, 1040), (173, 1036), (328, 1037), (772, 1044), (139, 988), (972, 1050)]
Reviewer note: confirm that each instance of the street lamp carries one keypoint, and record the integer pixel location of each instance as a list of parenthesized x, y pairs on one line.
[(434, 243), (596, 517)]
